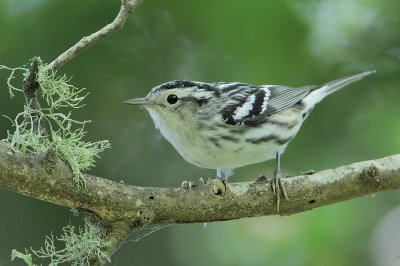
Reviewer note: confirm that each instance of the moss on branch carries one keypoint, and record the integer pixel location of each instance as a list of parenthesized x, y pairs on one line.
[(40, 129)]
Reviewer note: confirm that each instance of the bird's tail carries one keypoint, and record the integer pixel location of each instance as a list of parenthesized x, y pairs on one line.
[(320, 92)]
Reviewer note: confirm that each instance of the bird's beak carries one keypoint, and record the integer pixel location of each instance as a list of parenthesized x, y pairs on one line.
[(139, 101)]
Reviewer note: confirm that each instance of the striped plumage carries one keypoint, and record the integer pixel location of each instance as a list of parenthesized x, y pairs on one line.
[(227, 125)]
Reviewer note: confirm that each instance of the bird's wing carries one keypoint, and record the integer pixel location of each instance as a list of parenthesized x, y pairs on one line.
[(249, 105)]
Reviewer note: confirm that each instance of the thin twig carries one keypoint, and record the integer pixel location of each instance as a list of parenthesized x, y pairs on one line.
[(127, 8)]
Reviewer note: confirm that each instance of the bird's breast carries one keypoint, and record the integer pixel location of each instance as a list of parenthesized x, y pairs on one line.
[(228, 147)]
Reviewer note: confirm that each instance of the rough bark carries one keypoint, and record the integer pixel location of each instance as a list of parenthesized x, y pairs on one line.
[(46, 177)]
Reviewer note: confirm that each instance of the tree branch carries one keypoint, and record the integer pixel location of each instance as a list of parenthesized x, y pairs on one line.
[(127, 8), (123, 208), (31, 88), (46, 177)]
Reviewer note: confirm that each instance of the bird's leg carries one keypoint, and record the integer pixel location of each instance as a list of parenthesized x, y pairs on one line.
[(276, 182), (224, 174), (220, 174)]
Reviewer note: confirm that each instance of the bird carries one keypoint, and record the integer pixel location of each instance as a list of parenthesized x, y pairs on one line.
[(226, 125)]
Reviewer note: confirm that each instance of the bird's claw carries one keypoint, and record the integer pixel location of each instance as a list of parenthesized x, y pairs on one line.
[(278, 190), (188, 184), (218, 186), (191, 184)]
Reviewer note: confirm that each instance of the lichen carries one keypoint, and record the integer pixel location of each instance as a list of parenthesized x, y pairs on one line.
[(26, 257), (81, 246), (51, 126), (12, 75)]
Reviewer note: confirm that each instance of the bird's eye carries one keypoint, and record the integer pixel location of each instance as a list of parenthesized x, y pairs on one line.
[(172, 99)]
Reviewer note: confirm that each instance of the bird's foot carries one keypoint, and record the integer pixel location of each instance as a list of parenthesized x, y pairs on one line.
[(191, 184), (188, 184), (217, 185), (278, 190)]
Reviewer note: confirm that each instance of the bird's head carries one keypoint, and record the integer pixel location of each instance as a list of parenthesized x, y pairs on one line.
[(175, 102)]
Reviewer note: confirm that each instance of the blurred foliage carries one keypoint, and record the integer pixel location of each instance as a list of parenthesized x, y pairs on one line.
[(285, 42)]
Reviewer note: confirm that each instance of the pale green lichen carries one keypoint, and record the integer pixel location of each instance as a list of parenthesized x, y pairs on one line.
[(57, 91), (38, 131), (11, 87), (81, 246), (26, 257)]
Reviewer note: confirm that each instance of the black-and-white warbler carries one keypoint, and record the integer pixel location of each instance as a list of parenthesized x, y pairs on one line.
[(228, 125)]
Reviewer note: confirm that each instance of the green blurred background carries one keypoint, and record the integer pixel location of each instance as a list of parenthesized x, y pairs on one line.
[(286, 42)]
